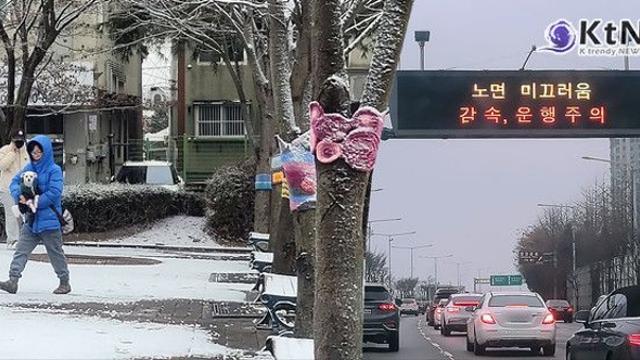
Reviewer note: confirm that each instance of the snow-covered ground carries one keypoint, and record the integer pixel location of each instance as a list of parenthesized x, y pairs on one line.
[(53, 334), (171, 279), (27, 334), (176, 230)]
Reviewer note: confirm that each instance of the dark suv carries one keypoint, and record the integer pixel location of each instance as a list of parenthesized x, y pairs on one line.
[(441, 293), (381, 317)]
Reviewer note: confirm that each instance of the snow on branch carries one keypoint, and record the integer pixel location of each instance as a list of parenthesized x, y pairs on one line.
[(389, 40)]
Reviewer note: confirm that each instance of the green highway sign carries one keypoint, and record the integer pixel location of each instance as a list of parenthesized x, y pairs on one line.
[(515, 280), (506, 280)]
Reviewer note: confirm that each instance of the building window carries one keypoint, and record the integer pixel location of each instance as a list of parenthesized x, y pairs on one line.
[(219, 120)]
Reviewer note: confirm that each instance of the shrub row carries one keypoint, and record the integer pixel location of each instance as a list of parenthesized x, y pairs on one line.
[(98, 208)]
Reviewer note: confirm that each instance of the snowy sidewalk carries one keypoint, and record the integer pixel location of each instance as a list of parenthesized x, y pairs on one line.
[(88, 323)]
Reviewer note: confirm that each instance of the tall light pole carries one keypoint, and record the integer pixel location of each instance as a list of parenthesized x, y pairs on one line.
[(370, 230), (421, 38), (458, 264), (390, 240), (435, 262), (411, 248)]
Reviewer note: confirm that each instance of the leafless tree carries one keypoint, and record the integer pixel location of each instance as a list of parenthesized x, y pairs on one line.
[(28, 29)]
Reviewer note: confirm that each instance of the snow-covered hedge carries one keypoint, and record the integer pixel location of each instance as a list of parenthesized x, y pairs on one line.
[(98, 208), (229, 199)]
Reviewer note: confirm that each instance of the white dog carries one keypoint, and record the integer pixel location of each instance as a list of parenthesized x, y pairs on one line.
[(29, 189)]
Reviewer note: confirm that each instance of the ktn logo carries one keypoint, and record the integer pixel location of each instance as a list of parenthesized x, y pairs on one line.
[(621, 38)]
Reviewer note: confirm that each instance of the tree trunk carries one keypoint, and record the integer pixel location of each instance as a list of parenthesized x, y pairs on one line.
[(305, 233), (386, 53), (262, 207), (339, 264), (282, 241), (339, 249)]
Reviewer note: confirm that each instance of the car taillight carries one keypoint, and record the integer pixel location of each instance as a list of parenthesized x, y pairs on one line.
[(487, 319), (570, 309), (387, 307), (549, 319), (634, 339), (453, 309)]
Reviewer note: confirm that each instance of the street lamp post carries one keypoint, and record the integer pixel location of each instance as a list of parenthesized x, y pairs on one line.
[(370, 230), (435, 262), (421, 38), (458, 264), (411, 248), (390, 240)]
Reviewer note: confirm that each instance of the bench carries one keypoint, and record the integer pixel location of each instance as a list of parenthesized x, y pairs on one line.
[(259, 241), (286, 348), (278, 294), (261, 261)]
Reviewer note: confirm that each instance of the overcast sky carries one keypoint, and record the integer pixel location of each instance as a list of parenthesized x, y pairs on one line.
[(471, 198)]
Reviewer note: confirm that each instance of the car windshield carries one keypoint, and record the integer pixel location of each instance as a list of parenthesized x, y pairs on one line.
[(564, 303), (515, 301), (160, 175), (466, 300), (132, 175), (372, 293)]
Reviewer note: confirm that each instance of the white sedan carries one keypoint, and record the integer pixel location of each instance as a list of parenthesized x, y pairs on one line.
[(512, 320)]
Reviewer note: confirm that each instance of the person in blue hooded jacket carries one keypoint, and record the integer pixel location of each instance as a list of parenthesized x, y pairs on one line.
[(45, 228)]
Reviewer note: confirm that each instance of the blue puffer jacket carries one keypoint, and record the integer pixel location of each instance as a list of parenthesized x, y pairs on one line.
[(50, 184)]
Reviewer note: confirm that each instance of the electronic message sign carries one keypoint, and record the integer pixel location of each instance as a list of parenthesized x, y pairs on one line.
[(516, 104)]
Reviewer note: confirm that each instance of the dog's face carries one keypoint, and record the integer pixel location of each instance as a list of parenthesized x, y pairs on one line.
[(28, 178)]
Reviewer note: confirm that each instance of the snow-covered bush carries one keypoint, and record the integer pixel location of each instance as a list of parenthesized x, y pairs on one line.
[(98, 208), (230, 199)]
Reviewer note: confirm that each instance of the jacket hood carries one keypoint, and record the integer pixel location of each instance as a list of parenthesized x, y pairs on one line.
[(46, 161)]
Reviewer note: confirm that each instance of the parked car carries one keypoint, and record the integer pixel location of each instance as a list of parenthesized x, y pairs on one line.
[(611, 331), (518, 319), (561, 310), (160, 173), (457, 312), (381, 316), (437, 314), (409, 306), (441, 293)]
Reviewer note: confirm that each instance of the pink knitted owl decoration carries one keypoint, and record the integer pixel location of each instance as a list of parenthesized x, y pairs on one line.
[(355, 140)]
